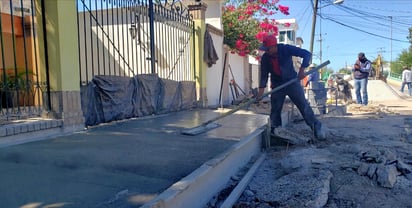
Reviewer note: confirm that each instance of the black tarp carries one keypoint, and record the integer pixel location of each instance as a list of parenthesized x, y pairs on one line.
[(110, 98)]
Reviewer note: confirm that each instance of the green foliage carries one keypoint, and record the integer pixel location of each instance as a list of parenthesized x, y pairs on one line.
[(234, 29), (404, 59), (12, 81), (325, 74), (345, 71)]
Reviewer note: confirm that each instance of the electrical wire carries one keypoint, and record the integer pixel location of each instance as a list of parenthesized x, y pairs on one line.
[(364, 31), (366, 22)]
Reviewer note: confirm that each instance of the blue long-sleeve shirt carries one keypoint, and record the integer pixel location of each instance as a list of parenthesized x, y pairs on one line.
[(285, 54)]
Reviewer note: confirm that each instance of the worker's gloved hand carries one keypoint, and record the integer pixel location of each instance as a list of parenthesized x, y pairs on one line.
[(259, 96), (258, 99), (249, 98)]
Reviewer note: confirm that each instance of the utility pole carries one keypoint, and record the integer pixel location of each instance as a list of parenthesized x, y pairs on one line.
[(391, 43), (320, 37), (315, 13), (312, 36)]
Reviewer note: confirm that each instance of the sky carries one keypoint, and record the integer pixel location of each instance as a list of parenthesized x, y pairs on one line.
[(370, 26)]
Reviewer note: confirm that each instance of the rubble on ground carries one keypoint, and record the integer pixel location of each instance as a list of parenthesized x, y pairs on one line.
[(382, 166), (365, 162)]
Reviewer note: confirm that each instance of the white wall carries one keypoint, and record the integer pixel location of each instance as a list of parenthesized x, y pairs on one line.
[(214, 13), (173, 53), (238, 66), (214, 74)]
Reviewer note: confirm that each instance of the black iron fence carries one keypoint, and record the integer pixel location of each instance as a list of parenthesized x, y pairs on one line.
[(21, 86), (116, 37), (131, 37)]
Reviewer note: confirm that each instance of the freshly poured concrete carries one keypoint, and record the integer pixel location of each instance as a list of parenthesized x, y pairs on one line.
[(118, 165)]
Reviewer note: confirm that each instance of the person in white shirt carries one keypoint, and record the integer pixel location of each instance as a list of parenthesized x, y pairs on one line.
[(406, 80)]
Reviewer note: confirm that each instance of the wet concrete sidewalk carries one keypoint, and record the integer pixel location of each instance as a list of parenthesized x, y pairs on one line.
[(124, 164)]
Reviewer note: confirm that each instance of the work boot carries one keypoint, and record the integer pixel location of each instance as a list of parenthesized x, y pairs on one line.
[(273, 132), (319, 131)]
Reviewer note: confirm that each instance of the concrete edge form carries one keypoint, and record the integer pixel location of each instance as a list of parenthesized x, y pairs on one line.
[(240, 187), (196, 189)]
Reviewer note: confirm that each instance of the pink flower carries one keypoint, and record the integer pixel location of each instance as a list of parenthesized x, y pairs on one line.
[(260, 35), (242, 53), (244, 39), (249, 11), (275, 30), (287, 24), (264, 25), (230, 8), (284, 9), (238, 43)]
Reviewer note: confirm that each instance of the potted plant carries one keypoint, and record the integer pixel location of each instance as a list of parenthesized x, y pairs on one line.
[(16, 88)]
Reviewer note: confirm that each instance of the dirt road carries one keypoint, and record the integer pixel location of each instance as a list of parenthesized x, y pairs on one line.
[(366, 160)]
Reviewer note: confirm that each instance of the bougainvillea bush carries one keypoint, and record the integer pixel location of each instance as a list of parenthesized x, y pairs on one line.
[(246, 22)]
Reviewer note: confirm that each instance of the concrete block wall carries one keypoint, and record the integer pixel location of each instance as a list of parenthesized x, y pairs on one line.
[(66, 106), (317, 97)]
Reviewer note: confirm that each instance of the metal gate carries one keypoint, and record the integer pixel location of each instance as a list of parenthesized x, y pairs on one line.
[(131, 37), (21, 84)]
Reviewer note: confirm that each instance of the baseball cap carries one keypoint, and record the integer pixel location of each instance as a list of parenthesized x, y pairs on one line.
[(267, 42), (361, 54)]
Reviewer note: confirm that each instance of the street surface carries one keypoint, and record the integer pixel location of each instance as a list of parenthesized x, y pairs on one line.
[(365, 162)]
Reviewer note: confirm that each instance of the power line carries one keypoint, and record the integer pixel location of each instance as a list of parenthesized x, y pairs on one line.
[(302, 16), (401, 20), (383, 10), (369, 25), (360, 30), (367, 21)]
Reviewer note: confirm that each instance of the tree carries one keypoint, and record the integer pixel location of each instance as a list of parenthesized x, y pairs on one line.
[(410, 39), (247, 22), (404, 59), (345, 71), (325, 73)]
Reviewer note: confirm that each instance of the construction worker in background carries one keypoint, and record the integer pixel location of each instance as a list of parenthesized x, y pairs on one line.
[(314, 77), (361, 71), (277, 61), (406, 80)]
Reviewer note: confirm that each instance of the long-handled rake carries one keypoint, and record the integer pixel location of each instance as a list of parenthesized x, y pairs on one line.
[(209, 125)]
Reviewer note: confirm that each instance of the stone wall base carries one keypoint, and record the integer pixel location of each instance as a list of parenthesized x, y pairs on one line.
[(66, 105)]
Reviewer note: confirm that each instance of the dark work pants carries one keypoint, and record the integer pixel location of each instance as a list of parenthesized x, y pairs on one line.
[(296, 94)]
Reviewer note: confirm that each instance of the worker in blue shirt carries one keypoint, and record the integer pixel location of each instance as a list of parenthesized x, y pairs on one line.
[(277, 61)]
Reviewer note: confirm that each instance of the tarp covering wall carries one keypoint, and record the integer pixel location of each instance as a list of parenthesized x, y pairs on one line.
[(110, 98)]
